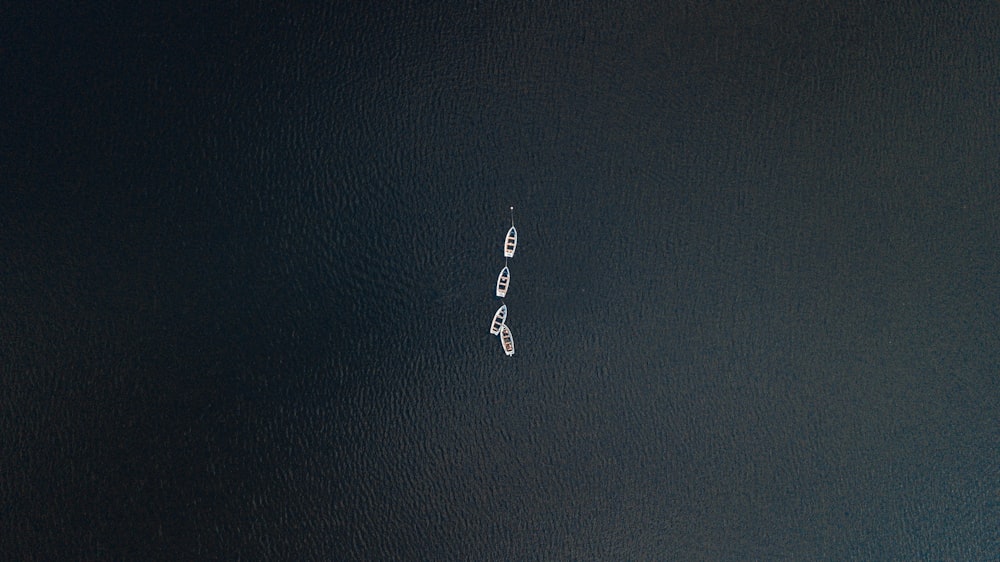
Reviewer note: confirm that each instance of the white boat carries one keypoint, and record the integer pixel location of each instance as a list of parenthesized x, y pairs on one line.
[(498, 319), (507, 340), (503, 280), (510, 244)]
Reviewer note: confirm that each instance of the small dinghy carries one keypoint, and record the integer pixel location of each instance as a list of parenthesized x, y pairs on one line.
[(510, 244), (503, 280), (507, 340), (498, 319)]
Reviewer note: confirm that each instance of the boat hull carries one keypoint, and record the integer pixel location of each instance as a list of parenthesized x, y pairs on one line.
[(498, 319), (507, 340), (503, 281), (510, 243)]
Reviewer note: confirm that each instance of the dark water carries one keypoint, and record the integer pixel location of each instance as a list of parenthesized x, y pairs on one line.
[(249, 256)]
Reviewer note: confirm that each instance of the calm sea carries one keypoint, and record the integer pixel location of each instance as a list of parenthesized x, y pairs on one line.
[(249, 255)]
